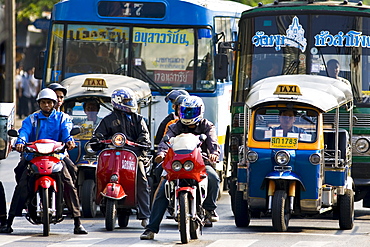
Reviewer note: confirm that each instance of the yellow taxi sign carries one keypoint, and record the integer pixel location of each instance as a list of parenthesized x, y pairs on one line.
[(95, 82), (288, 89)]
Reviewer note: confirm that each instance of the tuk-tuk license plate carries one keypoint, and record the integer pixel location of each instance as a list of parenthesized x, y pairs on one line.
[(284, 142)]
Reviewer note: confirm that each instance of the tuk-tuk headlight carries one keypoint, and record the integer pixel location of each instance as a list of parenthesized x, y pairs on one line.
[(188, 165), (176, 166), (252, 156), (282, 157), (88, 149), (315, 159), (362, 145)]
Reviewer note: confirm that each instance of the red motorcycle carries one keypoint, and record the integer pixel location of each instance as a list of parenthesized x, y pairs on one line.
[(45, 205), (187, 181), (116, 180)]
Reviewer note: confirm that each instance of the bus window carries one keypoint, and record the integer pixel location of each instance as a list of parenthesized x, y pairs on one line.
[(166, 54)]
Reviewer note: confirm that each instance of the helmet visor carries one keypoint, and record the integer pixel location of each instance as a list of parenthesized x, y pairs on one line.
[(189, 113)]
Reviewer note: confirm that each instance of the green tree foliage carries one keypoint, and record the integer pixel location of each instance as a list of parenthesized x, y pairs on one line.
[(33, 9)]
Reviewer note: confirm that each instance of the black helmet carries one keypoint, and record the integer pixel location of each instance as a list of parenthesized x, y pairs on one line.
[(56, 86), (174, 94)]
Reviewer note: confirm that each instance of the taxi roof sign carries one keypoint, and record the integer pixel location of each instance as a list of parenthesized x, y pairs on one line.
[(287, 89), (95, 82)]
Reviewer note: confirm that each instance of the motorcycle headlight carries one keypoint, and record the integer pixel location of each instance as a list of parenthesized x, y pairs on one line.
[(315, 159), (252, 156), (118, 140), (88, 149), (362, 145), (282, 157), (176, 166), (188, 165), (114, 178), (45, 148)]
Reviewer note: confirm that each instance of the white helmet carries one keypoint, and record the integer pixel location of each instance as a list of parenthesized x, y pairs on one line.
[(191, 110), (47, 93)]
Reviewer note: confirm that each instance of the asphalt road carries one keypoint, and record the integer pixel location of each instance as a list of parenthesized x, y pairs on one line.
[(314, 231)]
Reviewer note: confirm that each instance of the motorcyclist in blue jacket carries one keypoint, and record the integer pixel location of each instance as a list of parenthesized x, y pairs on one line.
[(47, 123)]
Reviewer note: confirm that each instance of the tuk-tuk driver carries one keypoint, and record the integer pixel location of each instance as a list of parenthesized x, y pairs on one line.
[(287, 119), (91, 109)]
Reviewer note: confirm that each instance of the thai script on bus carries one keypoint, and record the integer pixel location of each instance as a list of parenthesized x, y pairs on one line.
[(173, 77), (178, 37), (94, 33), (294, 37), (350, 39), (170, 63)]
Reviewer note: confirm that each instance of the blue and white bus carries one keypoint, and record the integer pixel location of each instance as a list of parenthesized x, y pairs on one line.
[(171, 44)]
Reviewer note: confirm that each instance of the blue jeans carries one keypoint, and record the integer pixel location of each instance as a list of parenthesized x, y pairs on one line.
[(160, 203)]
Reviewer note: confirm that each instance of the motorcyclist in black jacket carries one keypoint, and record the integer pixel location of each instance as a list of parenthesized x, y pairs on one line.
[(126, 120)]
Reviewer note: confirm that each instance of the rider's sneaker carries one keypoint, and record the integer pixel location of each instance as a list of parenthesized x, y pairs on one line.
[(212, 215), (147, 235), (144, 222), (6, 229), (208, 223), (79, 230)]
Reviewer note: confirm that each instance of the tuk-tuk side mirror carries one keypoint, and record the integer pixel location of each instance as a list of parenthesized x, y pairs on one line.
[(221, 66), (13, 133), (75, 130), (39, 65)]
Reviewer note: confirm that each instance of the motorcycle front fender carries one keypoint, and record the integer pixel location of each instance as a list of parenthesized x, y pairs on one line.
[(192, 191), (113, 191), (45, 182)]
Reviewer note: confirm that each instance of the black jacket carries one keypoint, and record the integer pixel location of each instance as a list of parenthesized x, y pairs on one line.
[(135, 129)]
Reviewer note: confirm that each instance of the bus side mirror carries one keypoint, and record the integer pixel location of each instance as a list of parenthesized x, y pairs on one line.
[(39, 65), (221, 66)]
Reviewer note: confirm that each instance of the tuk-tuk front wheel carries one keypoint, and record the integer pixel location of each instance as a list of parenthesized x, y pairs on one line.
[(280, 211), (241, 210), (346, 210)]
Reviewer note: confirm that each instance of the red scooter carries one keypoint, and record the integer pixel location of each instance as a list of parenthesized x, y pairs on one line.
[(116, 180), (187, 181), (46, 203)]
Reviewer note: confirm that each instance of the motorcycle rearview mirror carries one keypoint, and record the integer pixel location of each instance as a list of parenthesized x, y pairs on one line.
[(202, 137), (99, 135), (166, 138), (75, 130), (13, 133)]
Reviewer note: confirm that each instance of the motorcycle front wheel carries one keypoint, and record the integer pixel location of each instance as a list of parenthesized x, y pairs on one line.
[(184, 217), (110, 214), (44, 194)]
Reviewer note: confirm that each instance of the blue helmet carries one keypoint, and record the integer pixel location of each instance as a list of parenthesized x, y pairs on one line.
[(124, 99), (174, 94), (191, 110)]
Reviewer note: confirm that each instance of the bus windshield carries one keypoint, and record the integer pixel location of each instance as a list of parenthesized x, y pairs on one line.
[(169, 57), (299, 44)]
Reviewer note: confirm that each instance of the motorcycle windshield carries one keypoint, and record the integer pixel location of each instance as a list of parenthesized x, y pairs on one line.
[(184, 143)]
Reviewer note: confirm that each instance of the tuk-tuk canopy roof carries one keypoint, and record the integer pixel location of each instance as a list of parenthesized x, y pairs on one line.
[(322, 92), (103, 85)]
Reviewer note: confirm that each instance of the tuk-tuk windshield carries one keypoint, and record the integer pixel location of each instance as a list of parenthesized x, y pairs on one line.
[(295, 123), (87, 114)]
